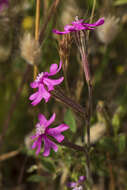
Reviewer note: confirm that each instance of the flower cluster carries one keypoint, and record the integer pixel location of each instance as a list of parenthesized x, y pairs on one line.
[(45, 85)]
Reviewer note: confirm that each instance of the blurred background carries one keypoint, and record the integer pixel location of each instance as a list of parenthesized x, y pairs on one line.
[(20, 169)]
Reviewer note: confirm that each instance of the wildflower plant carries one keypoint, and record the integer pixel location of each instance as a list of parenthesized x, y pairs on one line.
[(47, 86), (70, 132)]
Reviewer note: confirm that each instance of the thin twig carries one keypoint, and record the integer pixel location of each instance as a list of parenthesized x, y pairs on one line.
[(37, 21), (8, 155)]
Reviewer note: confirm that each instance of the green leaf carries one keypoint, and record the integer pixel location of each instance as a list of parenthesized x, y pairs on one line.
[(107, 144), (122, 143), (48, 165), (35, 178), (120, 2), (69, 119), (32, 168), (117, 118)]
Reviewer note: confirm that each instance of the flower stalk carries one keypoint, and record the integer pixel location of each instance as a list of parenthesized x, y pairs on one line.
[(58, 94)]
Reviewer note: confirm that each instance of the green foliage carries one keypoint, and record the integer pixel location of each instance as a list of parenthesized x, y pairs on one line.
[(35, 178), (69, 119), (122, 143), (120, 2), (107, 144), (117, 118), (47, 164)]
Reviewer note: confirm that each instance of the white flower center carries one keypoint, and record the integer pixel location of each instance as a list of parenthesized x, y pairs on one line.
[(40, 129), (39, 77), (76, 18)]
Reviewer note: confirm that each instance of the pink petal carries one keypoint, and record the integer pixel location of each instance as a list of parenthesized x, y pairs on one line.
[(37, 99), (42, 93), (80, 27), (46, 95), (37, 96), (33, 137), (51, 120), (59, 137), (52, 82), (34, 144), (59, 129), (37, 143), (54, 69), (34, 84), (59, 32), (39, 146), (48, 144), (81, 179), (69, 28), (3, 3), (33, 96), (72, 184), (97, 23), (56, 132), (42, 119)]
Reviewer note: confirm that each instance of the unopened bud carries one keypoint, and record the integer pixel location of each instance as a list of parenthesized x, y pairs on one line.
[(30, 49)]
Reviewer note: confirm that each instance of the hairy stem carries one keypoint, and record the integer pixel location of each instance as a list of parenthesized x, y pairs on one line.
[(58, 94), (89, 112), (72, 146)]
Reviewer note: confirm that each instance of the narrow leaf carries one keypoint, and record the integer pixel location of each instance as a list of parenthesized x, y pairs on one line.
[(69, 119)]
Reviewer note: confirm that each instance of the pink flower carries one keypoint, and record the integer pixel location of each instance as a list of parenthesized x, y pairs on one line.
[(45, 85), (77, 185), (42, 130), (3, 3), (79, 25)]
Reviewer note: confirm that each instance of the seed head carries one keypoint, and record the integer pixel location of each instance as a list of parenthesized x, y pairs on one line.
[(108, 31), (97, 131), (30, 49)]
